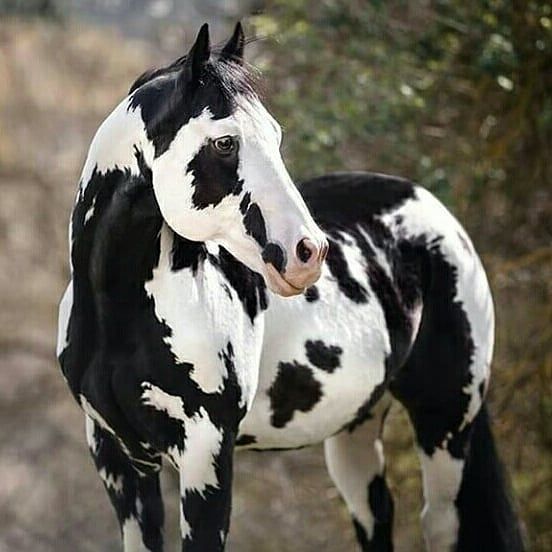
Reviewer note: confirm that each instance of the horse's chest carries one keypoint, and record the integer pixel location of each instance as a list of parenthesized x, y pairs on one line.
[(322, 361), (205, 323)]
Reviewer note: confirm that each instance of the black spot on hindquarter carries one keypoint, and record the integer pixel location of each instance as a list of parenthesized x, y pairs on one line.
[(293, 389), (438, 367), (325, 357), (215, 177)]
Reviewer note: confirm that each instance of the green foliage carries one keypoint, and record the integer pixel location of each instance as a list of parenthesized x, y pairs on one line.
[(458, 96), (450, 93), (30, 8)]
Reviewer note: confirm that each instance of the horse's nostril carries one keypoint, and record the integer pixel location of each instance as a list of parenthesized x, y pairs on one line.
[(305, 250)]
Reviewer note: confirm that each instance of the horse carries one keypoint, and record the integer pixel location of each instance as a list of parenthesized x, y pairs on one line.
[(214, 306)]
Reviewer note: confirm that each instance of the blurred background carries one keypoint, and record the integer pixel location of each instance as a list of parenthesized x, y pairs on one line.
[(454, 94)]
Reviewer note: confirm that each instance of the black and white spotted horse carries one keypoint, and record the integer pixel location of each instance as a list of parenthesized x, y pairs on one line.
[(206, 312)]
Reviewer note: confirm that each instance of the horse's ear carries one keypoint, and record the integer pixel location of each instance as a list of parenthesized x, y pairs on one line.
[(233, 50), (198, 56)]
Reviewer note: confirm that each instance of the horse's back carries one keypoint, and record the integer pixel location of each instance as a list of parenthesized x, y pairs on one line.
[(346, 198)]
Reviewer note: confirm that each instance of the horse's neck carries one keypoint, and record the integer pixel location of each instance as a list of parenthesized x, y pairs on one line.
[(116, 227)]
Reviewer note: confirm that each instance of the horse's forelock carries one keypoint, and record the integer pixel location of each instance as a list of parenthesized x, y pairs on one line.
[(233, 79)]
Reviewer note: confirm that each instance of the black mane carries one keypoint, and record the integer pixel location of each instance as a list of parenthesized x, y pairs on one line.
[(233, 78)]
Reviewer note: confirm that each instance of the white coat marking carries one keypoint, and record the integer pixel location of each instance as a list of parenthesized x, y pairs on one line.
[(441, 475), (132, 536), (196, 459), (65, 307)]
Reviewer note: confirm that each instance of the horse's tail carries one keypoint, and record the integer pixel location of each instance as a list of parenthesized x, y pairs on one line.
[(488, 520)]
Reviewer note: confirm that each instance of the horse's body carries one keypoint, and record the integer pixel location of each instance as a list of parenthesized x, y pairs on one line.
[(177, 350), (396, 256)]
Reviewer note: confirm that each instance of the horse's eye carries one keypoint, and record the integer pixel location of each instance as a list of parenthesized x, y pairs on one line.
[(225, 145)]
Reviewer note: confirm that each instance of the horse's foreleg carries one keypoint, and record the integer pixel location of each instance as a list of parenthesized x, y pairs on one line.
[(356, 465), (205, 466), (135, 496)]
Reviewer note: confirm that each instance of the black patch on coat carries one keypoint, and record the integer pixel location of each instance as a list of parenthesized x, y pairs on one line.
[(325, 357), (361, 535), (208, 512), (254, 223), (397, 294), (249, 286), (312, 294), (293, 389), (244, 203), (438, 366), (381, 505), (245, 439), (337, 264), (136, 486), (187, 254), (345, 203), (275, 255), (215, 177), (167, 101), (343, 199)]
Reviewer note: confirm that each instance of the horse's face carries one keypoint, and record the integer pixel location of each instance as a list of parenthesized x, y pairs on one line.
[(222, 177)]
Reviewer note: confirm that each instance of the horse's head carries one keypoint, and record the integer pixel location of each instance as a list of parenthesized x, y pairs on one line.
[(217, 170)]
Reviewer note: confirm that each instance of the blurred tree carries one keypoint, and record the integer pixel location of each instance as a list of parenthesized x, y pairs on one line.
[(39, 8), (458, 96)]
